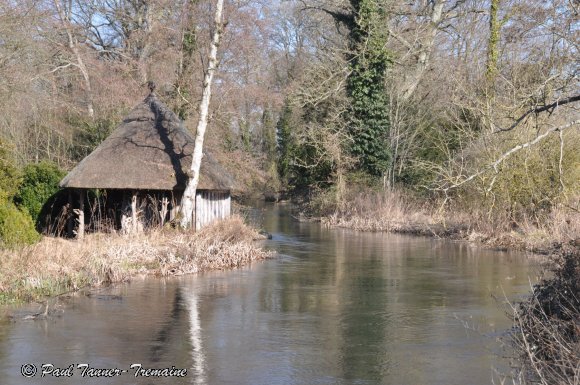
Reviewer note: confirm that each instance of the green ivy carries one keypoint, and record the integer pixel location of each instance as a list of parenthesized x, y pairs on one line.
[(368, 114), (285, 144)]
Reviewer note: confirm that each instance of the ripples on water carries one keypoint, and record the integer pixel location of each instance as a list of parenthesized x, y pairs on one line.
[(336, 307)]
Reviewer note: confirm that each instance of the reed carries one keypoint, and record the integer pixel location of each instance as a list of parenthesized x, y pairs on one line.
[(393, 211), (56, 265)]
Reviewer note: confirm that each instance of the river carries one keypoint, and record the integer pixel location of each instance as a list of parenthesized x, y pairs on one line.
[(334, 307)]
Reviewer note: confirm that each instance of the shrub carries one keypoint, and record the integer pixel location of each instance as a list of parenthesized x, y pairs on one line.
[(39, 183), (547, 325), (16, 226), (9, 174)]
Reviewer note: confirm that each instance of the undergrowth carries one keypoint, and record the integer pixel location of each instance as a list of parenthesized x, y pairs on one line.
[(55, 265)]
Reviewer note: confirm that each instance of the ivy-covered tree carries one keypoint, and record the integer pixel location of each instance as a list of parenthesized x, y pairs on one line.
[(285, 143), (369, 61), (268, 137)]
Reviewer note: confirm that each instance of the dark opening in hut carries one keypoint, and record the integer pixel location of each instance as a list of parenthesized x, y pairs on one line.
[(135, 178)]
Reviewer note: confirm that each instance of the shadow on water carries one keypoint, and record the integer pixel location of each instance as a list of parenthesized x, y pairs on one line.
[(162, 341)]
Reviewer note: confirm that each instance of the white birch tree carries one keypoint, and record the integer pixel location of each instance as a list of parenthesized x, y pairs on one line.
[(188, 200)]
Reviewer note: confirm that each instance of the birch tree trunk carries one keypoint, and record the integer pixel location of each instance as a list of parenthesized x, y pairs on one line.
[(188, 200)]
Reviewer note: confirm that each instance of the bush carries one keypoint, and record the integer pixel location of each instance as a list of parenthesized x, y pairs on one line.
[(547, 325), (16, 226), (39, 183), (9, 174), (528, 184)]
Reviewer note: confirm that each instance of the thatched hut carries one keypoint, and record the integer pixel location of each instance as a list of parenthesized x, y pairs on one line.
[(140, 172)]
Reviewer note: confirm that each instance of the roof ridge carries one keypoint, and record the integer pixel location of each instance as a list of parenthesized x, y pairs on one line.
[(160, 109)]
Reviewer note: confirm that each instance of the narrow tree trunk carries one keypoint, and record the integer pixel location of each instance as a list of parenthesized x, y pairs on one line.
[(80, 64), (492, 47), (146, 25), (164, 205), (134, 227), (70, 220), (426, 49), (491, 62), (188, 200), (186, 61)]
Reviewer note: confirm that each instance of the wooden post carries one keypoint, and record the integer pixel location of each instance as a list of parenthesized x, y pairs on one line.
[(124, 215), (164, 204), (70, 216), (81, 216), (134, 213)]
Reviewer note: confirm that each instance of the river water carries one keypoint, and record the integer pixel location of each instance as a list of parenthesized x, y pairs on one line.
[(335, 307)]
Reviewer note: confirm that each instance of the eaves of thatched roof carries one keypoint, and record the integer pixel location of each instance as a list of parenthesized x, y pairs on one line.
[(149, 150)]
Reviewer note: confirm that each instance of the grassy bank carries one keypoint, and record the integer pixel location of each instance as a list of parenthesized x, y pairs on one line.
[(55, 266), (393, 212)]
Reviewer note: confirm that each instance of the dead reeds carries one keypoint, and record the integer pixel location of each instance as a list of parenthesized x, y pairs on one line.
[(56, 265), (393, 211)]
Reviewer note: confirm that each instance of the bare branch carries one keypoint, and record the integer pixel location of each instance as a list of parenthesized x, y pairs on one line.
[(509, 153), (550, 107)]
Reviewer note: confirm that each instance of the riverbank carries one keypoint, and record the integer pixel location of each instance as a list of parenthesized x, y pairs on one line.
[(391, 212), (54, 266), (546, 332)]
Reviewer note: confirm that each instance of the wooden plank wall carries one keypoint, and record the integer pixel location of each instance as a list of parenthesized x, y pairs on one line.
[(211, 206)]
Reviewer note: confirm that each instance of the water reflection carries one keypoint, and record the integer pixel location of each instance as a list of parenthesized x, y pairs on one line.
[(337, 307), (195, 331)]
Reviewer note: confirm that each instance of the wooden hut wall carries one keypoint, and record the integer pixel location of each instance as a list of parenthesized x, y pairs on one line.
[(211, 206)]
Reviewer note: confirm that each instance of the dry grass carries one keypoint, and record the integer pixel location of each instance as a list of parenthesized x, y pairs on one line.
[(393, 212), (390, 211), (55, 265)]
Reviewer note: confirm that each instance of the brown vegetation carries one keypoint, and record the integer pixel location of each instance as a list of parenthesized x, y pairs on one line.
[(546, 333), (55, 265), (393, 211)]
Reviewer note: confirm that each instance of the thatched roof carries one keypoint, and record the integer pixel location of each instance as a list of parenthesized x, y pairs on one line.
[(149, 150)]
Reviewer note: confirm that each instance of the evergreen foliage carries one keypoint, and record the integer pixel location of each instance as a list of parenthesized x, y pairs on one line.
[(39, 183), (16, 226), (369, 123), (245, 134), (9, 173), (285, 145), (183, 92), (268, 137)]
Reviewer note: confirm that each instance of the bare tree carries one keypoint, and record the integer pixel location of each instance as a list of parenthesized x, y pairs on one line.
[(188, 200), (64, 14)]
